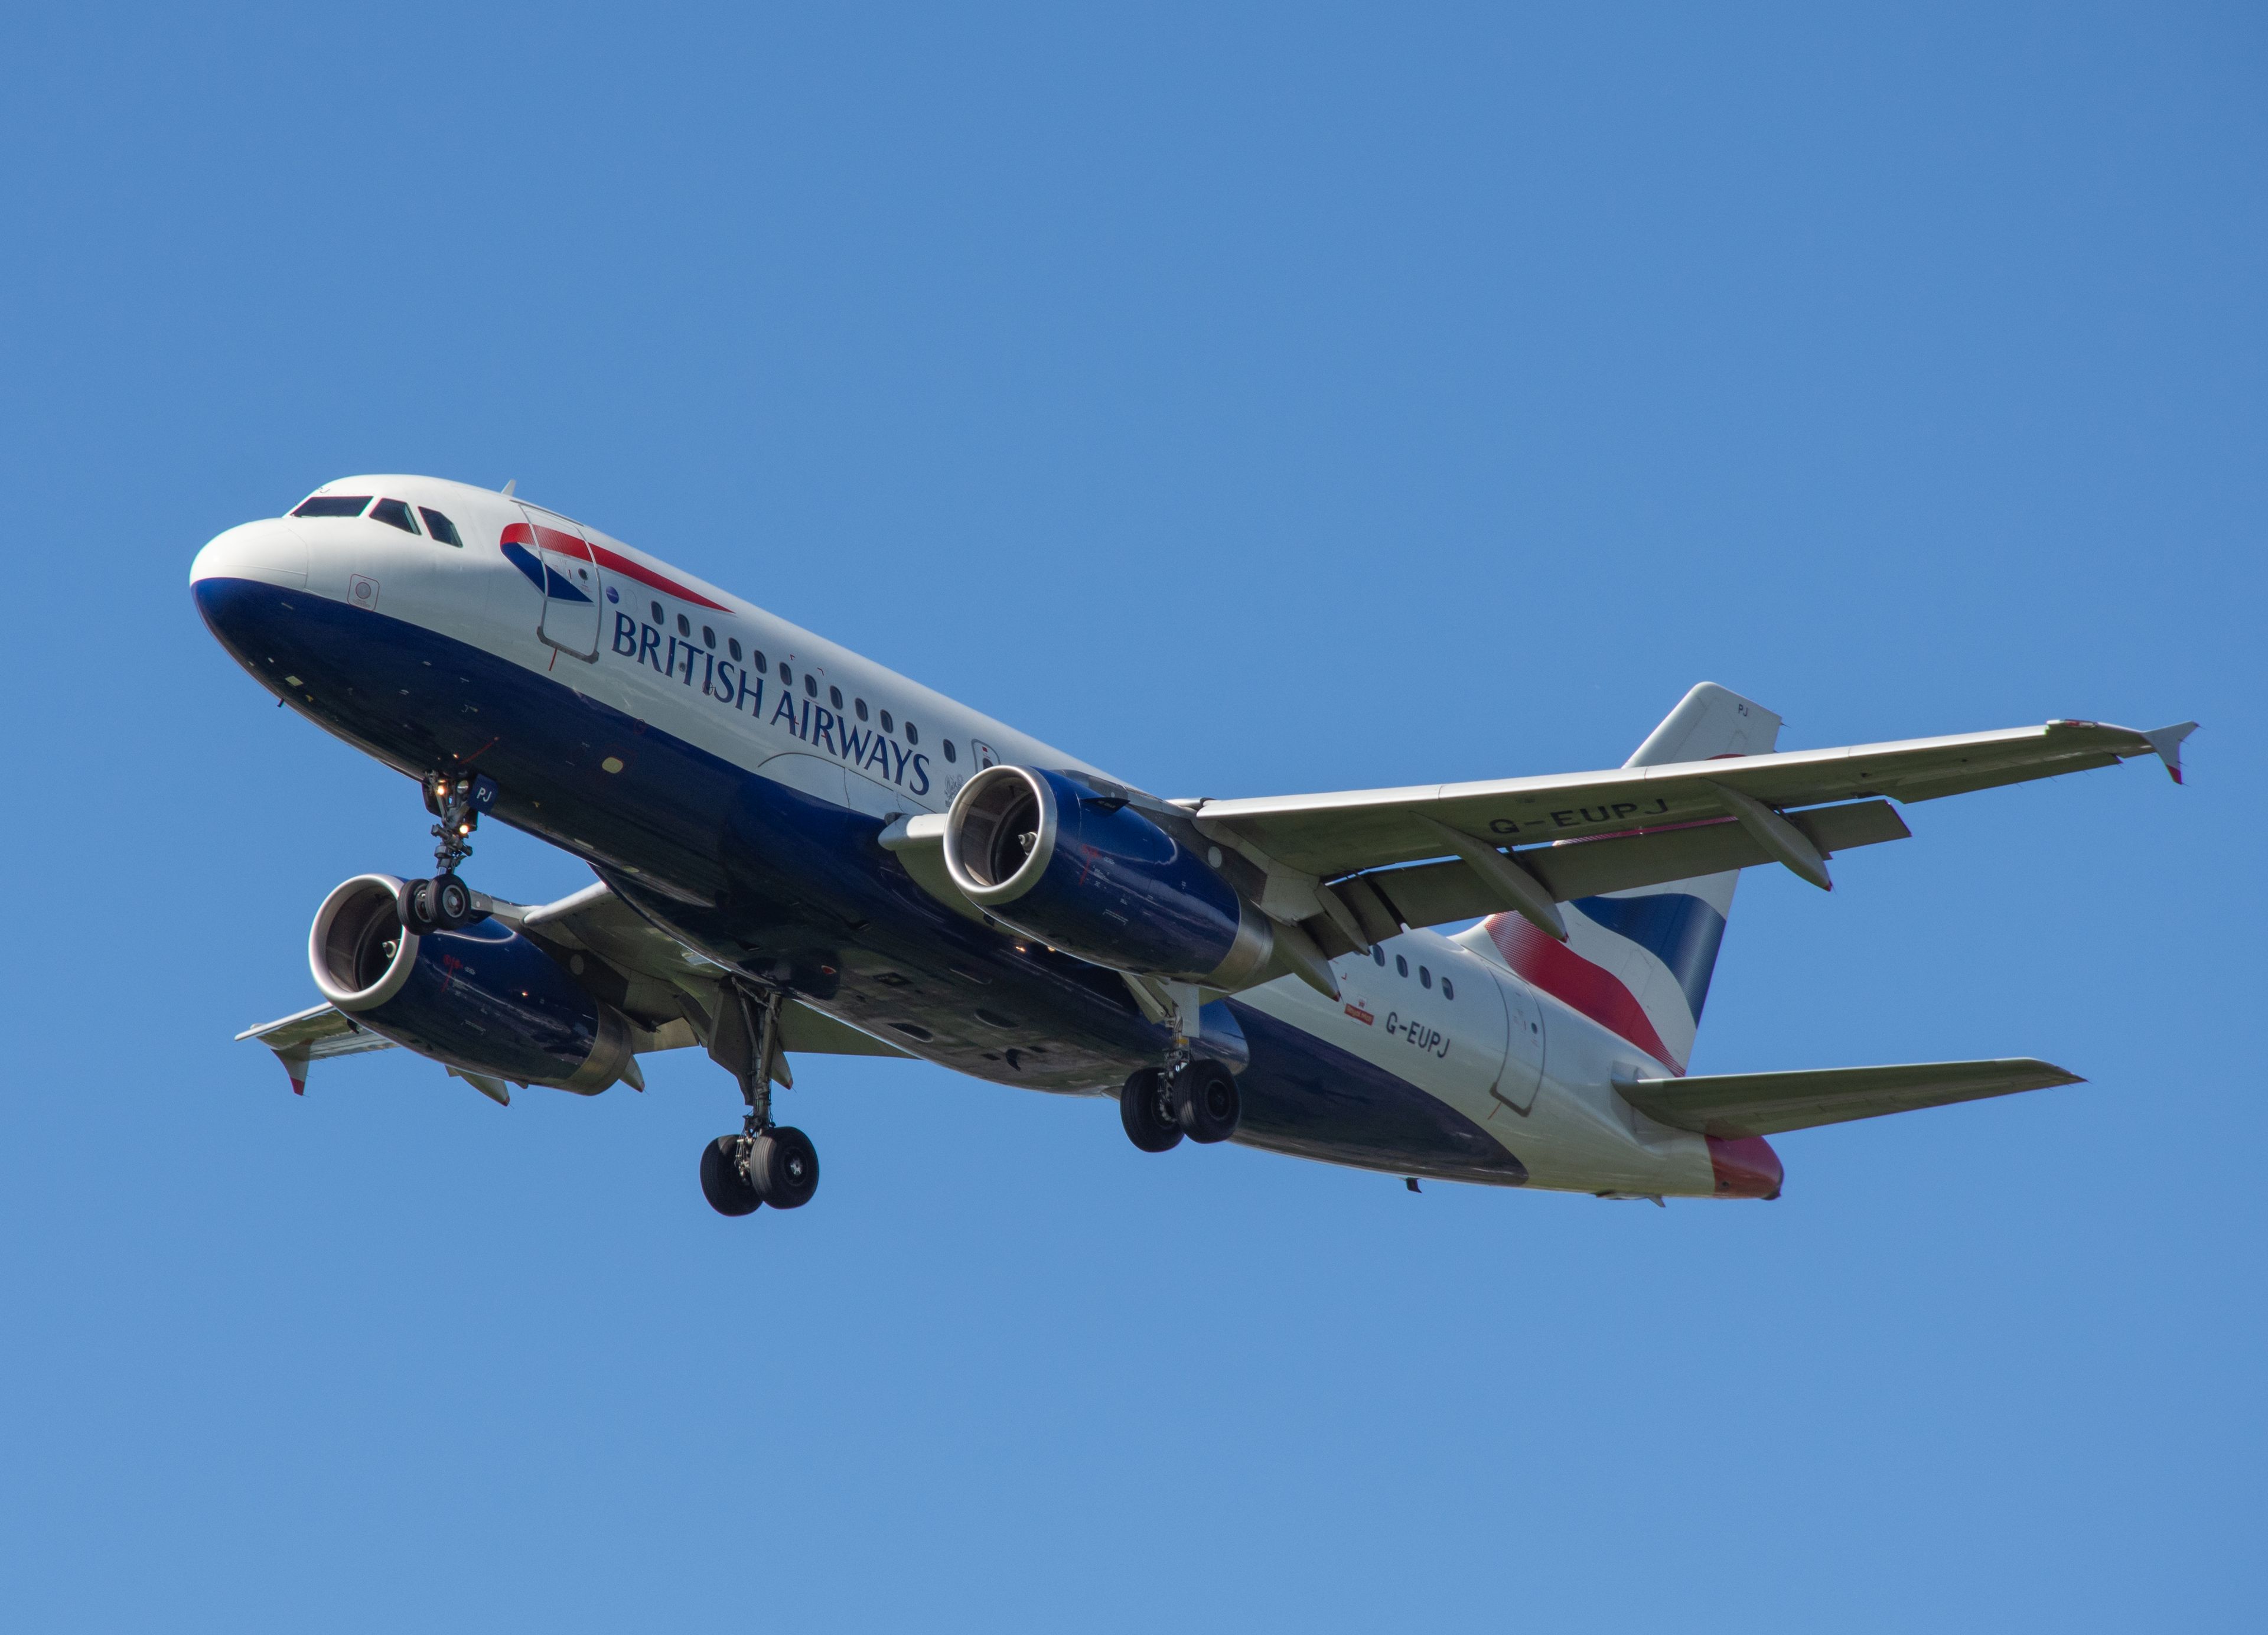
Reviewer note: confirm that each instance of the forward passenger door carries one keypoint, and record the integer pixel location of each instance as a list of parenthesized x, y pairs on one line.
[(573, 595)]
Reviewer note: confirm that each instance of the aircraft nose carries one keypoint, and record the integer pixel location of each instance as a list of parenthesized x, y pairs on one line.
[(272, 552)]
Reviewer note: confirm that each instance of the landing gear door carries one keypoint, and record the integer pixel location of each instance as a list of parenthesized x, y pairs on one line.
[(572, 594)]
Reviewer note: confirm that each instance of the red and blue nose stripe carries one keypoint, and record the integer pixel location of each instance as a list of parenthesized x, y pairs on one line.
[(517, 539), (522, 540)]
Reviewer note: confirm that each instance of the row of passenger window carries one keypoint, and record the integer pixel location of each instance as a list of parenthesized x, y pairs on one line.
[(397, 513), (393, 513), (1424, 975), (757, 662)]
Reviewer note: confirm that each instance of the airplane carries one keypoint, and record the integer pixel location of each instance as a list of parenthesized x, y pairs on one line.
[(801, 853)]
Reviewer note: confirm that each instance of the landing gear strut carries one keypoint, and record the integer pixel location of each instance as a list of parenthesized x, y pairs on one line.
[(766, 1163), (444, 901)]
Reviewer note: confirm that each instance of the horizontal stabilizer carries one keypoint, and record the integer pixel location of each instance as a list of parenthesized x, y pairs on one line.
[(1764, 1104)]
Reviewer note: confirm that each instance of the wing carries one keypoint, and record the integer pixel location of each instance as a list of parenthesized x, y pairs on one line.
[(667, 991), (1593, 832), (1765, 1104), (312, 1036), (658, 975)]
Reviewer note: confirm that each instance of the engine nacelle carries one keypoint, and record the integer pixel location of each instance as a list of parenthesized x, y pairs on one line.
[(483, 998), (1088, 873)]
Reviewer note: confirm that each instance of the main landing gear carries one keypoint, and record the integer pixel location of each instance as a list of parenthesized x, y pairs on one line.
[(766, 1163), (444, 902), (1194, 1097)]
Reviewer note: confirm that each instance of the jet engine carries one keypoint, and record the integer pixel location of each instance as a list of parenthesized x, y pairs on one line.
[(482, 997), (1087, 873)]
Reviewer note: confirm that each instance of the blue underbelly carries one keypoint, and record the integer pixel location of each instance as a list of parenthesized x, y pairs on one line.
[(791, 889)]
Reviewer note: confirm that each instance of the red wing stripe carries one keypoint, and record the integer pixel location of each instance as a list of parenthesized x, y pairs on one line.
[(615, 563), (1573, 980)]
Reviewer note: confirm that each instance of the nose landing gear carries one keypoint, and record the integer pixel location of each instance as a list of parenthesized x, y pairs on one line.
[(766, 1163), (444, 901)]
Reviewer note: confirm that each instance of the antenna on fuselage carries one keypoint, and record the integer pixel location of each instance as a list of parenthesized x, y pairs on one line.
[(510, 486)]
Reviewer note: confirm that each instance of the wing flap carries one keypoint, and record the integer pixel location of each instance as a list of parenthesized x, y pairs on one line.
[(1436, 893), (314, 1035), (1764, 1104)]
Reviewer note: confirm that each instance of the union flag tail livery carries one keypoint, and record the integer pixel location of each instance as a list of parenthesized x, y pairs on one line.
[(1637, 962), (801, 853)]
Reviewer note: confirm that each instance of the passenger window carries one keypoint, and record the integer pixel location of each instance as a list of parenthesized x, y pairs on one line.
[(1401, 966), (810, 685), (787, 678), (707, 636), (948, 746), (859, 704), (1377, 953), (333, 505), (1424, 977), (657, 611), (394, 513), (732, 646), (440, 527), (757, 659), (1449, 989), (835, 696), (888, 725), (684, 625), (913, 733)]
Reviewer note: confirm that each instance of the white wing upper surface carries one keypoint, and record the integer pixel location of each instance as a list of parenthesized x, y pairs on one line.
[(1327, 836)]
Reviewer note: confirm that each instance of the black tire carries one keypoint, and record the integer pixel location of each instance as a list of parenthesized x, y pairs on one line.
[(785, 1167), (721, 1183), (1206, 1105), (451, 901), (1148, 1117), (413, 906)]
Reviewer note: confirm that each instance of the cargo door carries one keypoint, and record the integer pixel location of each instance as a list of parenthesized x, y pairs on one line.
[(572, 594)]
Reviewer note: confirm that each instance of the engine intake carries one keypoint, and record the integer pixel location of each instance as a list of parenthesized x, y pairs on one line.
[(1087, 873), (484, 997)]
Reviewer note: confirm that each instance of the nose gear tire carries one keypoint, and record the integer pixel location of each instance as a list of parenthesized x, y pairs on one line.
[(413, 906), (727, 1191), (783, 1167), (451, 901), (1206, 1105), (1147, 1114)]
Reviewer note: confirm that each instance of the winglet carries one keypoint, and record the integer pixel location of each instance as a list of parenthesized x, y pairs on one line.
[(2167, 740)]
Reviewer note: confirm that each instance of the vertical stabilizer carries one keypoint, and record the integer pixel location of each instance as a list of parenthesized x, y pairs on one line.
[(1709, 723), (1639, 962)]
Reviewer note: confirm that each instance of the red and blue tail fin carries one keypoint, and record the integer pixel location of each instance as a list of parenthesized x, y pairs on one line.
[(1639, 962)]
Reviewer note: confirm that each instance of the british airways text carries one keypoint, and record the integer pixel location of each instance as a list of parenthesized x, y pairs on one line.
[(875, 754)]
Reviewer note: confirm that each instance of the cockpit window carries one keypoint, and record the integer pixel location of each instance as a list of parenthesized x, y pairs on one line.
[(440, 527), (333, 505), (395, 514)]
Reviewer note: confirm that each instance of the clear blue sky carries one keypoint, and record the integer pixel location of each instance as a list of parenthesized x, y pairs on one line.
[(1252, 400)]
